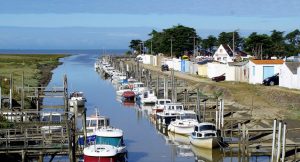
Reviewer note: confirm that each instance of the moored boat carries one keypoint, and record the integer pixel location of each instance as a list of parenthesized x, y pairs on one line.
[(148, 97), (93, 123), (184, 123), (205, 135), (170, 112), (77, 99), (160, 105), (128, 96), (100, 153), (111, 136)]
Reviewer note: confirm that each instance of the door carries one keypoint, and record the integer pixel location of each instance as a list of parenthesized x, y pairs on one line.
[(268, 71)]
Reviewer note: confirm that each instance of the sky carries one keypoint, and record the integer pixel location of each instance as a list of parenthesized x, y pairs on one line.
[(111, 24)]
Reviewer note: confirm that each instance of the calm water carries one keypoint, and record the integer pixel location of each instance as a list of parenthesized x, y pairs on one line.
[(146, 141)]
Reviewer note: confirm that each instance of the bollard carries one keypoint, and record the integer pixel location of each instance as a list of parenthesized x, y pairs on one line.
[(273, 139), (278, 141)]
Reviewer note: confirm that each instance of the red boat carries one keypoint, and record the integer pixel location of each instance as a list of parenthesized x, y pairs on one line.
[(128, 96)]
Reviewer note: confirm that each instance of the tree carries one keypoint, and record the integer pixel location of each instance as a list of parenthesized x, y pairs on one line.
[(227, 38), (209, 43), (258, 44), (278, 44), (293, 42), (181, 36), (135, 45)]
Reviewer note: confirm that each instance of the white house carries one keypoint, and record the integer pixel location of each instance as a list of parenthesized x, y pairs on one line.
[(223, 54), (290, 75), (261, 69)]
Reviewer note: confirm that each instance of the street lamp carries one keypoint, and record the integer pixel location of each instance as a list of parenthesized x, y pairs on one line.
[(233, 48), (171, 39)]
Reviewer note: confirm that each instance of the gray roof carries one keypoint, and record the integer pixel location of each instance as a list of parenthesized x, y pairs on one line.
[(293, 66)]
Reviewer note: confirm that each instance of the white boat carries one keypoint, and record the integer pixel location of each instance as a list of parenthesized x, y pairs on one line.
[(205, 135), (184, 123), (77, 99), (100, 153), (148, 97), (111, 136), (123, 88), (51, 117), (139, 88), (93, 123), (170, 112), (160, 105)]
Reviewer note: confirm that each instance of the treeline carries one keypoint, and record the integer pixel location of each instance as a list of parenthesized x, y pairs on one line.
[(184, 39)]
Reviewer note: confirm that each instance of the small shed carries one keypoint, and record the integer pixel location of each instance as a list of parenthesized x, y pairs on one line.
[(241, 71), (290, 75), (262, 69)]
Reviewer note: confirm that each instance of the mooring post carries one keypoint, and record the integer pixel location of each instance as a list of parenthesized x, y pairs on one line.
[(0, 97), (165, 87), (283, 142), (239, 135), (84, 126), (279, 141), (198, 105), (157, 86), (23, 156), (217, 116), (10, 92), (273, 139), (220, 113)]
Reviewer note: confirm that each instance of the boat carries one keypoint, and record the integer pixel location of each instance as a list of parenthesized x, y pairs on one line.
[(139, 88), (205, 135), (148, 97), (100, 153), (93, 123), (128, 96), (77, 99), (123, 88), (170, 112), (53, 117), (111, 136), (184, 123), (159, 105)]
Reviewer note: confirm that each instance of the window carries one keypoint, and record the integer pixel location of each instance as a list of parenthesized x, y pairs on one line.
[(221, 50), (224, 58), (253, 70)]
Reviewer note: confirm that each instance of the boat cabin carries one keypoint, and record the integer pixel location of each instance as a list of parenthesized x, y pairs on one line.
[(162, 102), (174, 106), (205, 130)]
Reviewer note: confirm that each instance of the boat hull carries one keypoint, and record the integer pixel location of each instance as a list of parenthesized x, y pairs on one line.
[(99, 159), (210, 142), (183, 130)]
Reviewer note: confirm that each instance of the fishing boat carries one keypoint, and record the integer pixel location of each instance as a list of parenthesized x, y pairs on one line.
[(170, 112), (159, 105), (128, 96), (93, 123), (148, 97), (184, 123), (205, 135), (77, 99), (100, 153), (111, 136)]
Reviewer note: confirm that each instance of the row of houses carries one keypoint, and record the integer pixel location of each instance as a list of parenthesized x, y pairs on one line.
[(250, 71)]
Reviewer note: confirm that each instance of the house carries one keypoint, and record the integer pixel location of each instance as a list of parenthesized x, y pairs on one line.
[(261, 69), (290, 75), (223, 54)]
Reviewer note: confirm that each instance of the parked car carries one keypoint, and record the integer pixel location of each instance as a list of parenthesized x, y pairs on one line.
[(272, 80), (219, 78), (164, 67)]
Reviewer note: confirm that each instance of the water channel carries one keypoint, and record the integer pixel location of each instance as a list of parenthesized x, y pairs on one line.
[(146, 141)]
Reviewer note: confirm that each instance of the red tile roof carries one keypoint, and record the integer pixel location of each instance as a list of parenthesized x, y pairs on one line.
[(267, 61)]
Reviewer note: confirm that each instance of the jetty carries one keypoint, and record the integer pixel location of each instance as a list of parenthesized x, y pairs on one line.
[(28, 136)]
